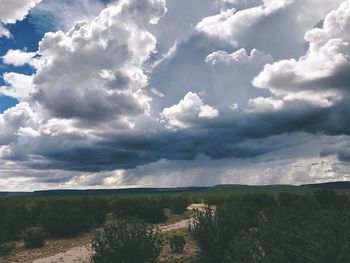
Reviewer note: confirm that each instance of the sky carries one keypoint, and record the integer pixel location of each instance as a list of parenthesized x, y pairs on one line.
[(165, 93)]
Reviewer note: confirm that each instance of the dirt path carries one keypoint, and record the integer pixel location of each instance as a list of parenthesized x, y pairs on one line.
[(181, 224), (82, 254)]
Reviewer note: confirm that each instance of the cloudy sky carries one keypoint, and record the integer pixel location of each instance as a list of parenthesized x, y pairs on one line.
[(161, 93)]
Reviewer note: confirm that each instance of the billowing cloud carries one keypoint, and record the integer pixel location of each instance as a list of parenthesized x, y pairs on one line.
[(15, 119), (187, 112), (322, 75), (88, 79), (102, 60)]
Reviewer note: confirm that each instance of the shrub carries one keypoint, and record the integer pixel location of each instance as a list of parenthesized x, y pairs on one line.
[(178, 205), (177, 243), (34, 237), (6, 249), (146, 209), (245, 249), (63, 218), (211, 234), (13, 219), (129, 241)]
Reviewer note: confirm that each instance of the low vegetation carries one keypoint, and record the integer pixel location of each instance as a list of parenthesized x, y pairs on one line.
[(309, 227), (129, 241), (34, 237), (177, 243), (69, 216), (5, 248), (150, 210), (263, 229)]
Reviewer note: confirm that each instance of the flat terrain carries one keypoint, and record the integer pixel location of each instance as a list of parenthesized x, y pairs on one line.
[(79, 249)]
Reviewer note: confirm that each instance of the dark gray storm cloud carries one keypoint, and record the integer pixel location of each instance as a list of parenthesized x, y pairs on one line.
[(238, 136)]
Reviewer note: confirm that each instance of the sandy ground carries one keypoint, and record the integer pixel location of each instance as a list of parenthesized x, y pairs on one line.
[(82, 254), (200, 207)]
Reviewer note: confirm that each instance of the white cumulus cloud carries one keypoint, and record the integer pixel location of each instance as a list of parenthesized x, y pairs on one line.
[(94, 71), (321, 76), (18, 86), (187, 112), (17, 57)]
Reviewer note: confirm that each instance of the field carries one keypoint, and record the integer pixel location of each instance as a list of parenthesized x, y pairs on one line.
[(236, 224)]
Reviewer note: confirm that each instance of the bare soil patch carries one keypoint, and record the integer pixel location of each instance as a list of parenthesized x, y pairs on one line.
[(80, 254)]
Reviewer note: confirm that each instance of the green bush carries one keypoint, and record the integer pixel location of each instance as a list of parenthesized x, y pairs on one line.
[(177, 243), (13, 219), (245, 249), (178, 205), (6, 249), (69, 217), (61, 220), (211, 234), (34, 237), (59, 216), (127, 241), (147, 209)]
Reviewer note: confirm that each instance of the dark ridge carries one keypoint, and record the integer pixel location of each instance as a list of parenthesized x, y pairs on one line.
[(117, 191), (218, 188), (330, 185), (14, 194), (99, 192), (258, 188)]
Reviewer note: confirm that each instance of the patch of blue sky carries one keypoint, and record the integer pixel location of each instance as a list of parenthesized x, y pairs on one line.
[(6, 103), (24, 36)]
